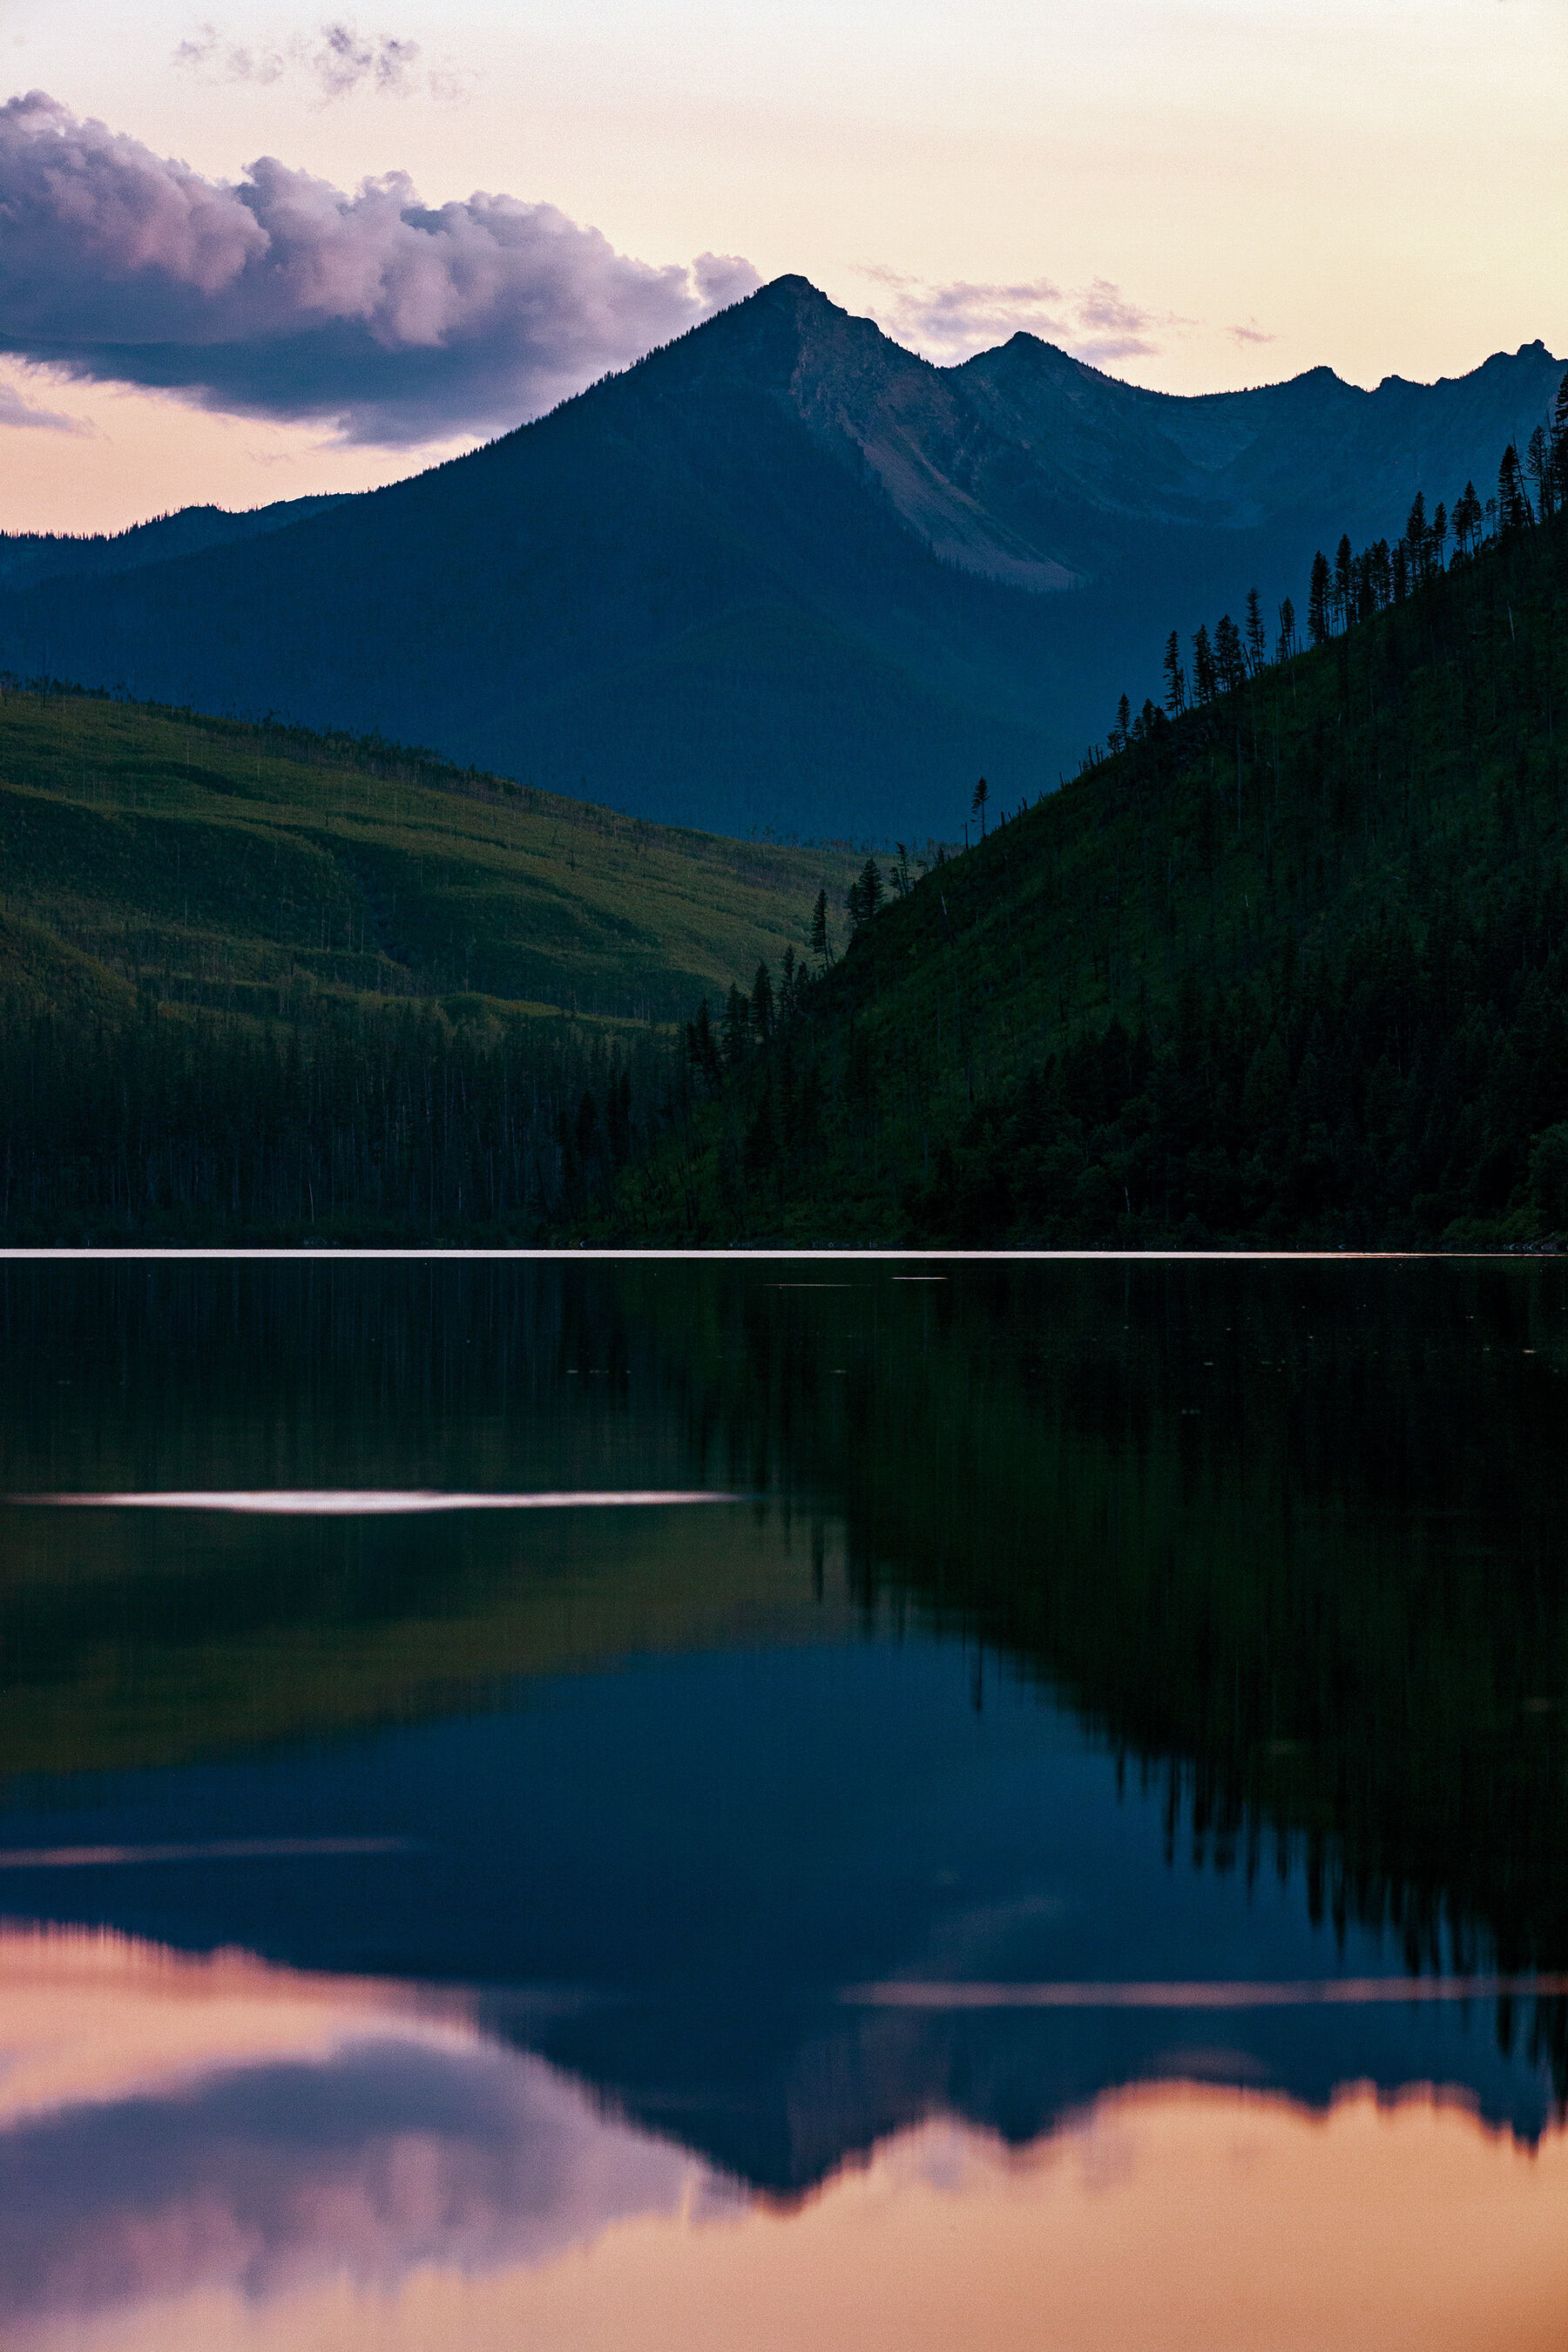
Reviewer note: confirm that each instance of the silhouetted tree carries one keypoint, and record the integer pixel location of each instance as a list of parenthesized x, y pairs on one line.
[(1319, 623), (1228, 658), (1175, 677), (977, 803), (1513, 505), (1257, 634), (1467, 519), (1206, 678)]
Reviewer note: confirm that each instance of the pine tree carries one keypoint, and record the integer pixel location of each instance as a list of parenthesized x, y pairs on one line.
[(1559, 439), (1229, 661), (1318, 622), (1175, 677), (1537, 465), (1257, 634), (1121, 733), (1206, 678), (1513, 505), (1344, 581), (1287, 644), (1415, 539), (977, 804)]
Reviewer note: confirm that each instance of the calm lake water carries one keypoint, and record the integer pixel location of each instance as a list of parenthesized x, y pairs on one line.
[(1043, 1824)]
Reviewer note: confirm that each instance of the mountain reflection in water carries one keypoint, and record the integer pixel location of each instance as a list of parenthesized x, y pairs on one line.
[(216, 2151), (966, 1890)]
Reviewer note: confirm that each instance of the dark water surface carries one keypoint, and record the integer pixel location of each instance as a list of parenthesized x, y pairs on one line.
[(1045, 1825)]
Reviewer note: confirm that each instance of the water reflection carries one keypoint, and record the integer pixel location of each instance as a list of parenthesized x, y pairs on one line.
[(202, 2152), (1115, 1722)]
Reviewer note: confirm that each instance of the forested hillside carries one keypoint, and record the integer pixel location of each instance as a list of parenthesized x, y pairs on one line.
[(255, 983), (1289, 964), (781, 573)]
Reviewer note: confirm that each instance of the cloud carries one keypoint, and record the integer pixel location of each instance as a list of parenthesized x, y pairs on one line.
[(281, 295), (15, 411), (337, 58), (383, 2158), (340, 61), (213, 59), (950, 323), (1251, 334)]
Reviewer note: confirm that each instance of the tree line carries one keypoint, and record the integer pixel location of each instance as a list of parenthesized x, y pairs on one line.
[(1293, 966)]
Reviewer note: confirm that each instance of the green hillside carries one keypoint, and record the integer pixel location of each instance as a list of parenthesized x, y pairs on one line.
[(249, 977), (213, 860), (1290, 967)]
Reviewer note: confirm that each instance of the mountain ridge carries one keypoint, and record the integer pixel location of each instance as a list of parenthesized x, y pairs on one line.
[(782, 570)]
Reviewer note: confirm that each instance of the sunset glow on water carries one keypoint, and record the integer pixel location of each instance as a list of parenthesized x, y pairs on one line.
[(916, 1905)]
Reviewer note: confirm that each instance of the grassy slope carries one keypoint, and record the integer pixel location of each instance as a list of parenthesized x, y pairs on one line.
[(214, 862), (1361, 854)]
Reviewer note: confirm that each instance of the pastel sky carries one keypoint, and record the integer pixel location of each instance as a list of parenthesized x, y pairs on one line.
[(1195, 193)]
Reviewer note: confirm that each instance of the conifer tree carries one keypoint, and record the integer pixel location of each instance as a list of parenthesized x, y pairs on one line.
[(1287, 644), (1206, 678), (1121, 733), (864, 894), (1559, 440), (1513, 505), (1175, 677), (1319, 623), (1415, 538), (1256, 635), (1344, 581), (977, 804), (1229, 661), (1537, 465), (821, 943)]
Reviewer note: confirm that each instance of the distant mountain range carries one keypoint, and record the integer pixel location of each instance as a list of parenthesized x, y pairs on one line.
[(781, 574)]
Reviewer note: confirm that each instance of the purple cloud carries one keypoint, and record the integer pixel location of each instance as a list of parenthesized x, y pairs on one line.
[(15, 411), (382, 2158), (341, 61), (1252, 333), (951, 323), (338, 58), (281, 295), (212, 58)]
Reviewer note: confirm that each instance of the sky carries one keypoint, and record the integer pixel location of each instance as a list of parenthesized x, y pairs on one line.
[(251, 250)]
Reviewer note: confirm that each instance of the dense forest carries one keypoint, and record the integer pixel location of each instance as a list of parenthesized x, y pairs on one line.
[(1286, 963), (257, 985)]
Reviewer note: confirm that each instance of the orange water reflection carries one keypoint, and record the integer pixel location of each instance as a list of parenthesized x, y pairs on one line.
[(214, 2153)]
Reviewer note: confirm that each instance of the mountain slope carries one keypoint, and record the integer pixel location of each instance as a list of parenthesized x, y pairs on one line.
[(260, 985), (781, 572), (1292, 968)]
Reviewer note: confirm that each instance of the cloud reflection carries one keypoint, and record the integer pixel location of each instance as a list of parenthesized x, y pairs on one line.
[(201, 2152), (269, 2132)]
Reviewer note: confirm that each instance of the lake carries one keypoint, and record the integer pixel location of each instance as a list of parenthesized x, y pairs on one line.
[(770, 1803)]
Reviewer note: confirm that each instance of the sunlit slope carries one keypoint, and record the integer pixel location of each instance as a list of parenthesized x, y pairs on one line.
[(210, 862)]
